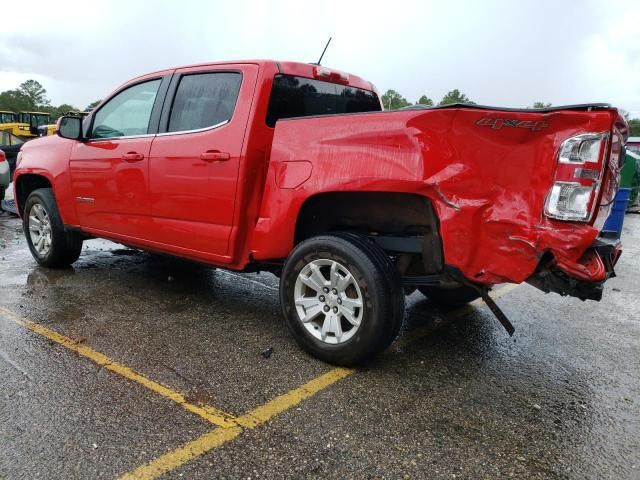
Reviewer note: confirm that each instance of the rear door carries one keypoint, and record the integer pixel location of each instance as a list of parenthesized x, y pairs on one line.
[(195, 158), (109, 171)]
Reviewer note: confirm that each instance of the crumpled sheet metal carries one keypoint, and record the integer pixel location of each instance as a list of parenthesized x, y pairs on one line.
[(488, 185)]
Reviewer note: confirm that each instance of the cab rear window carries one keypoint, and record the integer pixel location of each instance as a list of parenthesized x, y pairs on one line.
[(303, 97)]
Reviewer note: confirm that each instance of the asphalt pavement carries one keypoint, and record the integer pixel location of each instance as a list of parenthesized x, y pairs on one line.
[(138, 366)]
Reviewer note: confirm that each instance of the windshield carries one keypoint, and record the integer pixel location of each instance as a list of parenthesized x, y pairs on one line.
[(34, 119), (6, 117), (39, 120), (303, 97)]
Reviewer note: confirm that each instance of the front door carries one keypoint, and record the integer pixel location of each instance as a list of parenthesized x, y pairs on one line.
[(110, 170), (195, 158)]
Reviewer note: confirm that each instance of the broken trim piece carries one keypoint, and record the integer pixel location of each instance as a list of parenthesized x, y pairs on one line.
[(499, 314), (484, 293)]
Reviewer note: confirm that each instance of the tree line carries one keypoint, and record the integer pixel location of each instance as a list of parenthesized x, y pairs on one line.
[(31, 96), (392, 100)]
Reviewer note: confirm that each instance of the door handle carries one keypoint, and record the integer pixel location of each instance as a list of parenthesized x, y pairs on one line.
[(214, 156), (132, 157)]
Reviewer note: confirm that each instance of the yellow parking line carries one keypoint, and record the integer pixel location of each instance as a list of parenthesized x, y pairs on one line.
[(217, 437), (211, 414), (292, 398), (229, 426), (183, 454)]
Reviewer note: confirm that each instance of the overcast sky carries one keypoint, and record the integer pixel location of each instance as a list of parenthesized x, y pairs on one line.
[(505, 53)]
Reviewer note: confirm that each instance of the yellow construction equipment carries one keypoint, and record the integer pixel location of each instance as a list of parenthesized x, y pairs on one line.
[(32, 120), (23, 124), (50, 129)]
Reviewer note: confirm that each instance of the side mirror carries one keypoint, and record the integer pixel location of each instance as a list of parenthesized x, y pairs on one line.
[(69, 127)]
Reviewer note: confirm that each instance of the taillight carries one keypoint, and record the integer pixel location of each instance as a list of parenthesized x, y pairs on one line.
[(2, 156), (578, 177)]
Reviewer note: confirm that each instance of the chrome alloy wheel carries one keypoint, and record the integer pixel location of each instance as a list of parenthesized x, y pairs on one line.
[(40, 229), (328, 301)]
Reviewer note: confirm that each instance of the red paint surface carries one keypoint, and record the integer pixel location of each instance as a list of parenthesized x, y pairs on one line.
[(488, 185)]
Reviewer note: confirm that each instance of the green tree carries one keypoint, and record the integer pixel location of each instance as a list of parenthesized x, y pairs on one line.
[(454, 96), (92, 105), (392, 100), (14, 101), (540, 105), (424, 100), (30, 95), (57, 112), (35, 93)]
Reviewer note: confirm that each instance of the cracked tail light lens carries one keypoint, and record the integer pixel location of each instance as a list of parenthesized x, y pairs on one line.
[(569, 201), (574, 192), (582, 148)]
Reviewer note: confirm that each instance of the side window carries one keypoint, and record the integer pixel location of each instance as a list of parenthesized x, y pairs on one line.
[(204, 100), (13, 140), (4, 138), (128, 113)]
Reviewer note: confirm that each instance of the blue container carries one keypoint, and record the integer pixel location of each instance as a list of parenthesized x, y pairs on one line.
[(613, 225)]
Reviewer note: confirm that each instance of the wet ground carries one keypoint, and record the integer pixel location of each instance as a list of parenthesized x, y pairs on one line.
[(454, 397)]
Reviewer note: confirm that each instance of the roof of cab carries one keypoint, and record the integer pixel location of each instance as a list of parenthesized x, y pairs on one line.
[(285, 67)]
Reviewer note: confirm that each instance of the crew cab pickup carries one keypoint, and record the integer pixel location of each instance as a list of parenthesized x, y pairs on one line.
[(296, 169)]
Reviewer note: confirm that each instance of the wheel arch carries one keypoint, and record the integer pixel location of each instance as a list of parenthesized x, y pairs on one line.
[(393, 215), (27, 183)]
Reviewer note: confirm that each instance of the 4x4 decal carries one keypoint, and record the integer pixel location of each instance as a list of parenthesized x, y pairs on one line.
[(498, 123)]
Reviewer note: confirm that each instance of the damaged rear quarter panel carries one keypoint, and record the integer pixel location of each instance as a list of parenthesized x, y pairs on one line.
[(488, 185)]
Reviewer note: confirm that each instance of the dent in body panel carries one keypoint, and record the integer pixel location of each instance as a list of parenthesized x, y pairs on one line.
[(488, 186)]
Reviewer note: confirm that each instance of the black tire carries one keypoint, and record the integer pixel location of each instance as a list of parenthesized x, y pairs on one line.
[(65, 246), (2, 189), (379, 284), (450, 297)]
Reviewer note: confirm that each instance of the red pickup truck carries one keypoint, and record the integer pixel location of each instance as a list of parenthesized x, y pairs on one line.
[(295, 169)]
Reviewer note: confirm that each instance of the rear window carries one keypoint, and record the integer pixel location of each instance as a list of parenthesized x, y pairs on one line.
[(303, 97)]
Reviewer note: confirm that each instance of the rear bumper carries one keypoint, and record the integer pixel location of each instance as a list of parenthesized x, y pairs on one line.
[(583, 279)]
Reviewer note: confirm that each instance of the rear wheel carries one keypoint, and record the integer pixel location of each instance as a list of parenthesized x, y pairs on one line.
[(450, 297), (50, 244), (342, 298)]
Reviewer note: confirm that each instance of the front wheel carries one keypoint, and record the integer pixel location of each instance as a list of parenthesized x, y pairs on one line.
[(342, 298), (50, 244)]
